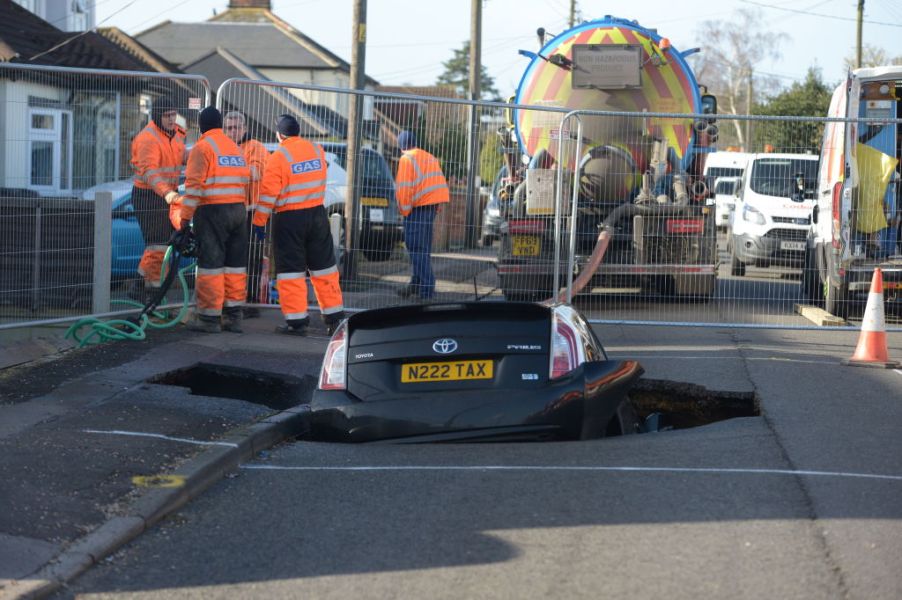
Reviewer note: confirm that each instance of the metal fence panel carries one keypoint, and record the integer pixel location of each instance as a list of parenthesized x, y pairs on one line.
[(697, 232), (67, 135)]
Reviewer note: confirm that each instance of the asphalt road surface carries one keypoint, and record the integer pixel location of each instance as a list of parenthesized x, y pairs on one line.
[(800, 502)]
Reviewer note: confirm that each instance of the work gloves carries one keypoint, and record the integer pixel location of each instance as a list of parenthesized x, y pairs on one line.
[(173, 197), (259, 232)]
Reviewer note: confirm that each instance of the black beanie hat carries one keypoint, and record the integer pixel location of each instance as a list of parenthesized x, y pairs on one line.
[(210, 118), (161, 105), (288, 126)]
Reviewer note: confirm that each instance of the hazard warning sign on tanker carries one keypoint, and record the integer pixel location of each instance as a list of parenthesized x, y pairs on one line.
[(606, 66)]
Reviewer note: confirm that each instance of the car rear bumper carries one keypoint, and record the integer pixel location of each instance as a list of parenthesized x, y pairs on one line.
[(572, 407)]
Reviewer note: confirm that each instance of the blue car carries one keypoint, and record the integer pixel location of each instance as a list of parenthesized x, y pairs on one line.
[(127, 242)]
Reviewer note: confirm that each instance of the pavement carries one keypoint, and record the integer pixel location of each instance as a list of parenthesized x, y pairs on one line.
[(100, 444), (97, 446)]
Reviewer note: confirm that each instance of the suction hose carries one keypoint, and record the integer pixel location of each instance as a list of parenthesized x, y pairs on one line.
[(604, 239)]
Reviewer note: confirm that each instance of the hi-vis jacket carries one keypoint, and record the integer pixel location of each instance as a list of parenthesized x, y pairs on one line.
[(294, 179), (255, 154), (217, 173), (420, 181), (157, 159)]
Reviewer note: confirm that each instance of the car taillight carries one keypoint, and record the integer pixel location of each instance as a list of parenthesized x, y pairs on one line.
[(333, 374), (563, 350)]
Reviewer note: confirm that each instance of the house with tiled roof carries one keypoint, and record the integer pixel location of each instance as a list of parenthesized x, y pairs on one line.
[(65, 130), (249, 41)]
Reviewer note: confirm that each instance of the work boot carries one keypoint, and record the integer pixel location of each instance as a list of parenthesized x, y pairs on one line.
[(232, 322), (295, 327), (290, 330), (205, 326)]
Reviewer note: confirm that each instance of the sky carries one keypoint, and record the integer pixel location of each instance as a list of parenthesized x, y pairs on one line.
[(408, 40)]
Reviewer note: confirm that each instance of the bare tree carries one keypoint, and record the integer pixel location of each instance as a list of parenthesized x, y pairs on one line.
[(730, 50), (872, 56)]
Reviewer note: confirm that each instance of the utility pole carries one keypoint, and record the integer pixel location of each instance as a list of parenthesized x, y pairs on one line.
[(572, 20), (355, 117), (858, 37), (473, 133), (748, 124)]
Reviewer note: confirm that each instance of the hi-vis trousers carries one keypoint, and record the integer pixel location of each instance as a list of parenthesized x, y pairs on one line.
[(222, 263), (302, 243)]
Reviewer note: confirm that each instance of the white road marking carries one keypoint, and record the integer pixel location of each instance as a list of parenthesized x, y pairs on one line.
[(641, 355), (160, 436), (483, 468)]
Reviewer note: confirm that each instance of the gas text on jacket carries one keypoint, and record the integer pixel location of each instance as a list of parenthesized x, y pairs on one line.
[(306, 165)]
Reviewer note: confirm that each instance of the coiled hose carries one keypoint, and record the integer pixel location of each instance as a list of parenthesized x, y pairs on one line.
[(134, 328)]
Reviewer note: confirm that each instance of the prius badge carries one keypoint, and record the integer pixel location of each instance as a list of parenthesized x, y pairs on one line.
[(444, 346)]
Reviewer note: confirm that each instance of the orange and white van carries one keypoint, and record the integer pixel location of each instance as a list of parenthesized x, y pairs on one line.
[(857, 218)]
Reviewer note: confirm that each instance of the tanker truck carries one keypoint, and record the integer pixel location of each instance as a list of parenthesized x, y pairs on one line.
[(632, 162)]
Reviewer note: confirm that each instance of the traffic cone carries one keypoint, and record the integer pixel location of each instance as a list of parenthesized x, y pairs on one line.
[(872, 350)]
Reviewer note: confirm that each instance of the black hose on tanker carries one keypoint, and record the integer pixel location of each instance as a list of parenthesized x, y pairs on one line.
[(604, 236)]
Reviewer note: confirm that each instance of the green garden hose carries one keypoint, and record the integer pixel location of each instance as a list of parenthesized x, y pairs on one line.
[(134, 328)]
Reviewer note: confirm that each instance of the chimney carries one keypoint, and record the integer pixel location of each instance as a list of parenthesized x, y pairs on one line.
[(265, 4)]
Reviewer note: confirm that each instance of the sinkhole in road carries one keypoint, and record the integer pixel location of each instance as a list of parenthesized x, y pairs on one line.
[(663, 404), (660, 405), (273, 390)]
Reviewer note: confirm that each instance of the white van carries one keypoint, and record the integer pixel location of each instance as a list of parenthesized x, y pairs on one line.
[(725, 190), (722, 170), (856, 224), (773, 211)]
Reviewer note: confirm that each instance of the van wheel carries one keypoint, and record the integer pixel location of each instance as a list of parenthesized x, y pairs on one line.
[(836, 300), (811, 278), (737, 267)]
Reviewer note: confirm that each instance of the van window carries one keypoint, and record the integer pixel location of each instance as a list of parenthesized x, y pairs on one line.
[(715, 172), (725, 186), (777, 176)]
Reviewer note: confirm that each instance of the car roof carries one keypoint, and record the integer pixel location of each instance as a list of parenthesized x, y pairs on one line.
[(118, 188)]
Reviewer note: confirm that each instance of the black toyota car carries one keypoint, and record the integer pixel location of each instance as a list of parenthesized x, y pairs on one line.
[(471, 371)]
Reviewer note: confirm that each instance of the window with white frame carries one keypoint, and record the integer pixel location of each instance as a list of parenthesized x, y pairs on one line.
[(50, 150)]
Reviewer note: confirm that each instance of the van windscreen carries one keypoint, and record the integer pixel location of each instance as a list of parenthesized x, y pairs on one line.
[(781, 176), (713, 173)]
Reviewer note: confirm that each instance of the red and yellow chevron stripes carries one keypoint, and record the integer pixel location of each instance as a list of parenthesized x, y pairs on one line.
[(667, 88)]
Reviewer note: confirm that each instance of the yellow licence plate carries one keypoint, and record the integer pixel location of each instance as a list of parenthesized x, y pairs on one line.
[(525, 245), (446, 371), (373, 201)]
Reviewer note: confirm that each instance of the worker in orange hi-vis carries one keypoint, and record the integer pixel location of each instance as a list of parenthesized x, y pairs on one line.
[(422, 189), (255, 154), (293, 189), (216, 181), (158, 155)]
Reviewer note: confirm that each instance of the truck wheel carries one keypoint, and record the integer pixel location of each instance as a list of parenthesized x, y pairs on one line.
[(737, 267), (836, 300)]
